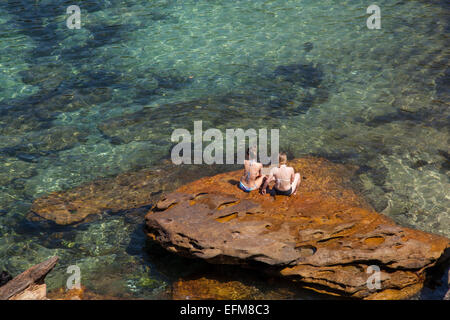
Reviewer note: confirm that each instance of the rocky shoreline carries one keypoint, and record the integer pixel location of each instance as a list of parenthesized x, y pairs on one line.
[(326, 238)]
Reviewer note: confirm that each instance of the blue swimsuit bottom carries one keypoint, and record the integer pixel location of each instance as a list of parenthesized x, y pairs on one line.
[(243, 187)]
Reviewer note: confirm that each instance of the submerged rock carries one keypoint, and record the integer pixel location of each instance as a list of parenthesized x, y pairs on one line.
[(305, 74), (41, 142), (146, 125), (16, 123), (288, 91), (125, 191), (325, 238), (129, 190), (47, 76), (228, 283), (12, 168), (71, 100), (308, 46), (204, 288)]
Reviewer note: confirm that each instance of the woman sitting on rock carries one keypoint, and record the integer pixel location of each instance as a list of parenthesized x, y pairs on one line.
[(252, 177), (286, 180)]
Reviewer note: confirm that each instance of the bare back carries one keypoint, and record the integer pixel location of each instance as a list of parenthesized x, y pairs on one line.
[(284, 176), (252, 170)]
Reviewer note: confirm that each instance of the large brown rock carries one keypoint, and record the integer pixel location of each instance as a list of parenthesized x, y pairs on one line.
[(325, 237)]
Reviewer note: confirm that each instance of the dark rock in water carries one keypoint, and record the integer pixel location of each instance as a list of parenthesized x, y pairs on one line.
[(444, 154), (445, 166), (363, 169), (11, 169), (395, 117), (46, 76), (171, 81), (426, 117), (135, 216), (115, 140), (72, 100), (443, 85), (103, 35), (326, 237), (418, 164), (307, 102), (18, 184), (18, 122), (42, 142), (157, 16), (138, 126), (305, 75), (308, 46), (25, 157), (60, 91), (36, 112), (273, 101), (146, 124), (5, 277)]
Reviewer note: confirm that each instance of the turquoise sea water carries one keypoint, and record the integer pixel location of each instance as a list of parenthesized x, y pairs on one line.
[(374, 98)]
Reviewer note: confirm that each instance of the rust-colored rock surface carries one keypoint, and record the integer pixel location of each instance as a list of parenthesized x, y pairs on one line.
[(125, 191), (325, 237)]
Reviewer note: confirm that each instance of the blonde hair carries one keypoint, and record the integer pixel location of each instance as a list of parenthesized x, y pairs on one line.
[(282, 158)]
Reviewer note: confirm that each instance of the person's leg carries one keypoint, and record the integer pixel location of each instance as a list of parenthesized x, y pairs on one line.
[(296, 183)]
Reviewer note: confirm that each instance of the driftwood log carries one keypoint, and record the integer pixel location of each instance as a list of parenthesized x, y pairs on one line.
[(29, 285)]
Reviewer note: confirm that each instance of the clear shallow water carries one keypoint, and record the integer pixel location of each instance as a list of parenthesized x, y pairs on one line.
[(374, 98)]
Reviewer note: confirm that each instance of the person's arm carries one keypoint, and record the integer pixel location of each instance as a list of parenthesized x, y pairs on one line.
[(266, 183)]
